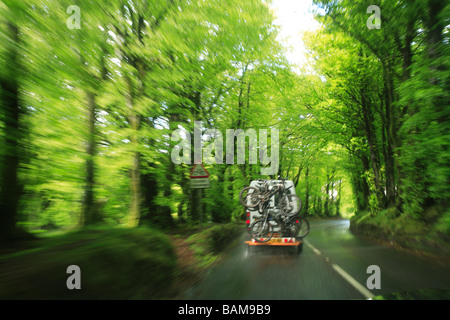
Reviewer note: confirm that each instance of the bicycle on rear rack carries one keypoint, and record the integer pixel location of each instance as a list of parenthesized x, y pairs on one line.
[(262, 230), (293, 226), (277, 213), (252, 197)]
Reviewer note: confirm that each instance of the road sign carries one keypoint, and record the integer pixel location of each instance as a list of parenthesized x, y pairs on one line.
[(199, 177), (199, 171), (200, 183)]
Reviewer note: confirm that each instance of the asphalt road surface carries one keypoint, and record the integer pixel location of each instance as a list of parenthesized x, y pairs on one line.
[(332, 265)]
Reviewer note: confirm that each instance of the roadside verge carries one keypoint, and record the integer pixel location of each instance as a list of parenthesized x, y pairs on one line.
[(403, 232), (200, 249)]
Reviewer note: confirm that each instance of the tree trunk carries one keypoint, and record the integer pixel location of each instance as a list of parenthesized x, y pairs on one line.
[(149, 191), (327, 197), (90, 214), (164, 214), (338, 199), (435, 25), (306, 205), (297, 177), (359, 184), (195, 198), (373, 148), (391, 136), (319, 205), (13, 135), (364, 187), (135, 183)]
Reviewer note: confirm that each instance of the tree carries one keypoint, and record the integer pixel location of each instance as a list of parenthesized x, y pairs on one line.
[(12, 114)]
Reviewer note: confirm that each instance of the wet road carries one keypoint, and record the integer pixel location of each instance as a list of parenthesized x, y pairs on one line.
[(332, 265)]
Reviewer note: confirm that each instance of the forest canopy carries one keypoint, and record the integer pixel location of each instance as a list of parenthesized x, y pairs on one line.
[(91, 93)]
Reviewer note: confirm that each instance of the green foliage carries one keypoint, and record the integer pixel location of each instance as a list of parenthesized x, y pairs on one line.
[(222, 236), (404, 231), (425, 294), (146, 272), (143, 64), (386, 102), (426, 138), (218, 202), (211, 241), (93, 118), (443, 225)]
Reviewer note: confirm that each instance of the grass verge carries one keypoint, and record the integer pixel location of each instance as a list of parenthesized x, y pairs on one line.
[(405, 232), (201, 248), (115, 263)]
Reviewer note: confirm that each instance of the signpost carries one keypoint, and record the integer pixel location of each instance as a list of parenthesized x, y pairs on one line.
[(199, 180), (200, 183), (199, 177)]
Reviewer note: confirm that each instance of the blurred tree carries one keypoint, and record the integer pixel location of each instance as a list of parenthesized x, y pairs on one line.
[(87, 114), (12, 113)]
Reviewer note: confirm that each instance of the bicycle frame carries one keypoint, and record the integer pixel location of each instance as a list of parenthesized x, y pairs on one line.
[(286, 223), (266, 195), (264, 218)]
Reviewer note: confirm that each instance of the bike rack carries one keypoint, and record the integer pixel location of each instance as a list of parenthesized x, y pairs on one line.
[(276, 240)]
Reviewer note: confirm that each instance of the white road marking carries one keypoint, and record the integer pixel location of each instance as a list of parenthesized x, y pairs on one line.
[(366, 293), (361, 289), (314, 249)]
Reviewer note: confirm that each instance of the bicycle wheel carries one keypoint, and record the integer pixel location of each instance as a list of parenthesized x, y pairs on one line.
[(290, 204), (291, 228), (260, 232), (303, 227), (249, 197)]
